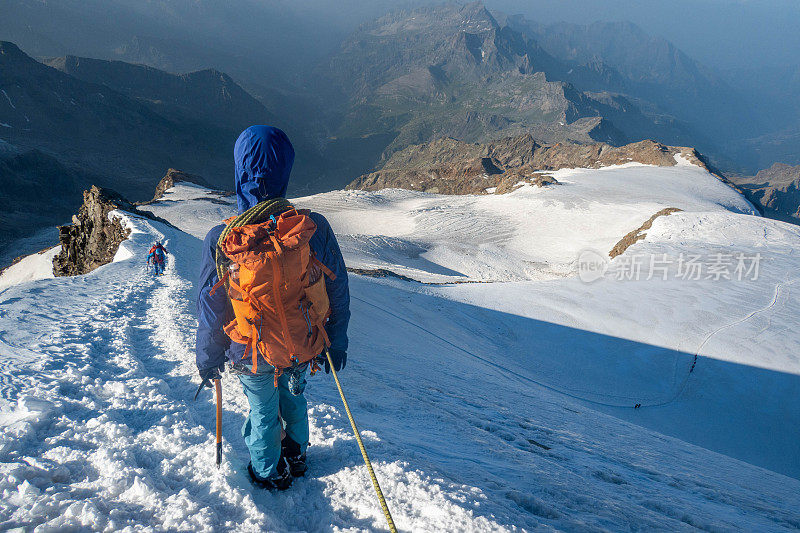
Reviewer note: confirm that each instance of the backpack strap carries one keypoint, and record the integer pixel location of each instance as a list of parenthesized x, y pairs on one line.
[(328, 272), (220, 283)]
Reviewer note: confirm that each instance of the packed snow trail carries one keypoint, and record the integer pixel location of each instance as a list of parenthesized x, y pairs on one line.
[(720, 329), (505, 370), (100, 433)]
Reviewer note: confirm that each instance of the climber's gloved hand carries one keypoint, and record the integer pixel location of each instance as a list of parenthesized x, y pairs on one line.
[(339, 358), (210, 374)]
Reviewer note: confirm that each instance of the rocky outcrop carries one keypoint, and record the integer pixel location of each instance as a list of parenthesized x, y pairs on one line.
[(573, 155), (378, 273), (776, 191), (174, 176), (449, 166), (639, 233), (93, 237), (513, 180)]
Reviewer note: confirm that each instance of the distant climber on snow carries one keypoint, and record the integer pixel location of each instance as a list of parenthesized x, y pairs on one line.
[(157, 257), (273, 296)]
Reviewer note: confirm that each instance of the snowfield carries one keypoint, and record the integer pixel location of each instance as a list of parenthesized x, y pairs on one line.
[(531, 234), (30, 268), (504, 402)]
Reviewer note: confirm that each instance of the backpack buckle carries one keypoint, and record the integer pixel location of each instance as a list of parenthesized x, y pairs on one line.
[(238, 369), (272, 225)]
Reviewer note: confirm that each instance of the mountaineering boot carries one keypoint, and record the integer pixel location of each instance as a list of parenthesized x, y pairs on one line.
[(297, 465), (282, 482), (294, 457)]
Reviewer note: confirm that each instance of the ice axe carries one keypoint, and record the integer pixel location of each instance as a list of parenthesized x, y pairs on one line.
[(218, 394)]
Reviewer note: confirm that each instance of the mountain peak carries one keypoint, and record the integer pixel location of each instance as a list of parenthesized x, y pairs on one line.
[(7, 47), (172, 178), (209, 74), (11, 52), (476, 15)]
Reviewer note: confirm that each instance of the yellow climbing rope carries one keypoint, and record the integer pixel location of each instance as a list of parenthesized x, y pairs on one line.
[(255, 214), (258, 213), (378, 491)]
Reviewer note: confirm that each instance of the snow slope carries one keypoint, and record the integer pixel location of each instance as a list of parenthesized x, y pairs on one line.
[(39, 240), (499, 406), (30, 268), (534, 233)]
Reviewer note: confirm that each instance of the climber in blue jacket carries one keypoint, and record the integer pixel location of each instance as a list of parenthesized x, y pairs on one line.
[(157, 257), (263, 158)]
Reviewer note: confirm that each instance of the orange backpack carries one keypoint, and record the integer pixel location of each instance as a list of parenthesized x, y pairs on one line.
[(277, 289), (157, 259)]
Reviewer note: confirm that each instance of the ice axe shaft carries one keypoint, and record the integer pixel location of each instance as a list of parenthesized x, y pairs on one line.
[(218, 394), (218, 391)]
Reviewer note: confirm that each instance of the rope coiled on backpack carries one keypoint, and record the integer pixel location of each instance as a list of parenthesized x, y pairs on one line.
[(258, 213)]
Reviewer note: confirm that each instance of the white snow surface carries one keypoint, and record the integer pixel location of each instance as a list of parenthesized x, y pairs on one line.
[(505, 405), (42, 239), (30, 268), (531, 234)]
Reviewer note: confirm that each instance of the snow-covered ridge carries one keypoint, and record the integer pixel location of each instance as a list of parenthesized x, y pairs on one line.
[(532, 233), (30, 268), (495, 406)]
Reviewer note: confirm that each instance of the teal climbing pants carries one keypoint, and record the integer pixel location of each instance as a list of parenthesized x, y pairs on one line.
[(262, 428)]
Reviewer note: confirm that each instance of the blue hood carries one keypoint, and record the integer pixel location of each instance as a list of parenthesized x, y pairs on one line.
[(263, 157)]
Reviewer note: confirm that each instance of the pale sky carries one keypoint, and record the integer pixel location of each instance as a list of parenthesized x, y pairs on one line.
[(720, 33)]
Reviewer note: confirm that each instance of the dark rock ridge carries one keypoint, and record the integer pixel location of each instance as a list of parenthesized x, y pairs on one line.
[(174, 176), (449, 166), (378, 273), (123, 122), (639, 233), (776, 190), (93, 238)]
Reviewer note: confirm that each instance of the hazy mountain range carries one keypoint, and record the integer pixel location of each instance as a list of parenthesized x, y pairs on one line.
[(123, 121), (108, 123), (281, 53), (457, 72), (649, 69), (172, 83)]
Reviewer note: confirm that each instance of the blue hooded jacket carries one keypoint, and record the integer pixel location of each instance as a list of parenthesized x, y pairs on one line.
[(263, 158)]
